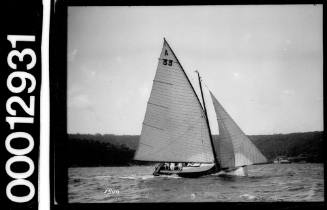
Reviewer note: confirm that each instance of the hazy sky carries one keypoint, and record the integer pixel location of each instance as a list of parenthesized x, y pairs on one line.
[(263, 63)]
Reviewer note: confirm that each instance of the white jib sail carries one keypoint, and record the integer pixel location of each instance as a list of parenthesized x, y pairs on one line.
[(233, 147), (174, 127)]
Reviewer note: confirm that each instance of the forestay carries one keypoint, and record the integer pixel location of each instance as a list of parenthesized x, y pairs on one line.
[(233, 147), (174, 127)]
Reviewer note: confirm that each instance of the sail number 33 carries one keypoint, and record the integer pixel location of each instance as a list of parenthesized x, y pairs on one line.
[(20, 81), (166, 61)]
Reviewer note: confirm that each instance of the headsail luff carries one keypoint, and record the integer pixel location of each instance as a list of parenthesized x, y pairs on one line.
[(174, 127), (233, 147)]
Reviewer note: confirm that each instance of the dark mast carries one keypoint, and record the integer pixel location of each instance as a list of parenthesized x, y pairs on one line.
[(206, 116)]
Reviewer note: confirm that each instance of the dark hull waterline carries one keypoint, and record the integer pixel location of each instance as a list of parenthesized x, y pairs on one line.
[(239, 171)]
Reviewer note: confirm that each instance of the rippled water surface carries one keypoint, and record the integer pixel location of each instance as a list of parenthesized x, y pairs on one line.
[(271, 182)]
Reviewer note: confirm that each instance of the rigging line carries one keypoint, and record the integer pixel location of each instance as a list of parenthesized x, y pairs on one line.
[(206, 86)]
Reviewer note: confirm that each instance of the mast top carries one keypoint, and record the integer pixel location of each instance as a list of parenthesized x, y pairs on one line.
[(198, 75)]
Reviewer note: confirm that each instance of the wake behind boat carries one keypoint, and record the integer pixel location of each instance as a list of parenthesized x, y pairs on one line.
[(176, 131)]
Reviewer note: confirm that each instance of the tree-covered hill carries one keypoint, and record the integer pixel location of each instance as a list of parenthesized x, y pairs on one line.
[(309, 145), (114, 150), (89, 151)]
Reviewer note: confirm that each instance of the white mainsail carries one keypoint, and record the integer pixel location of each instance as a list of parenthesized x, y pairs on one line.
[(233, 147), (174, 127)]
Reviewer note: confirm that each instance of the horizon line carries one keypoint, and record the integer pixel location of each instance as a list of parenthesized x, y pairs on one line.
[(212, 134)]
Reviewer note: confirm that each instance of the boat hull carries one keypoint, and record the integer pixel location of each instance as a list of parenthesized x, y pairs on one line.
[(202, 170), (190, 171), (212, 170)]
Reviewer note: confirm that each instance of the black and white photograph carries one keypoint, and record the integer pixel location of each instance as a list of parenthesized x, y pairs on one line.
[(197, 103)]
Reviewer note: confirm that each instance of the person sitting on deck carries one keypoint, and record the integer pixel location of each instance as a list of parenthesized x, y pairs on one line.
[(172, 166), (180, 166), (166, 166)]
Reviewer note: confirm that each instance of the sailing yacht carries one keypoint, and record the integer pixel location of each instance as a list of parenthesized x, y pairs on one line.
[(176, 132)]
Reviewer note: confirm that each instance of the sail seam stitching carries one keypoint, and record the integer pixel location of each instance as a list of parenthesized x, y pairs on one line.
[(146, 144), (153, 126), (162, 82), (158, 105)]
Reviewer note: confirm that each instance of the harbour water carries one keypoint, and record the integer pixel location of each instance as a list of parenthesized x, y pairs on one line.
[(270, 182)]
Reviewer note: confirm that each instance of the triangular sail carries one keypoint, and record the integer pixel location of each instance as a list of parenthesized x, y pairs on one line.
[(233, 147), (174, 127)]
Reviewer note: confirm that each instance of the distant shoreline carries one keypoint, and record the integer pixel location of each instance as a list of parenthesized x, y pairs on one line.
[(87, 150), (152, 164)]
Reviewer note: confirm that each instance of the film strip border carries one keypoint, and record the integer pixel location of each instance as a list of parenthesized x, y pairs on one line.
[(20, 81)]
